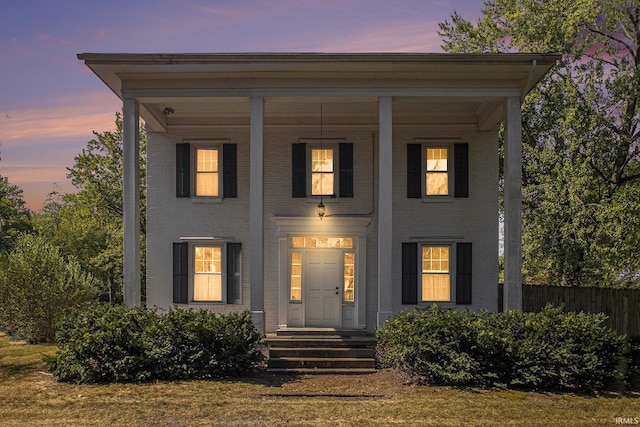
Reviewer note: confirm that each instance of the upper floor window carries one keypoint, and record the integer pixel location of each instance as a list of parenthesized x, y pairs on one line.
[(326, 171), (205, 169), (322, 172), (437, 171)]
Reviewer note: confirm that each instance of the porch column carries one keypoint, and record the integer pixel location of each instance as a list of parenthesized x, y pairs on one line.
[(512, 204), (131, 200), (385, 209), (256, 200)]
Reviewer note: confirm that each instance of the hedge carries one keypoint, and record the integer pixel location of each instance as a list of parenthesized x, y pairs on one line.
[(119, 344), (546, 350)]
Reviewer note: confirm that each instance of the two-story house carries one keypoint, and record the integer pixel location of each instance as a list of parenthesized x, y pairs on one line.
[(322, 190)]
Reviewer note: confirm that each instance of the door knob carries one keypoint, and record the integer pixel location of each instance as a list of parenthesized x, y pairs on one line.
[(337, 288)]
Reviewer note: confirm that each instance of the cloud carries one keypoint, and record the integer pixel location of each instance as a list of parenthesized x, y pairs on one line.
[(66, 117), (43, 37)]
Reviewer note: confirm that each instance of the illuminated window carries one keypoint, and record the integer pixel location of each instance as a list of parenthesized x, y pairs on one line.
[(322, 172), (207, 172), (349, 277), (296, 276), (437, 174), (436, 275), (207, 279), (318, 242)]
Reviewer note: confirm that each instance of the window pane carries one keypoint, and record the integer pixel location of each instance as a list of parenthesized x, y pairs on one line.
[(207, 287), (437, 183), (296, 276), (321, 184), (437, 159), (436, 287), (349, 277), (322, 160), (207, 184), (298, 242), (435, 259), (207, 160)]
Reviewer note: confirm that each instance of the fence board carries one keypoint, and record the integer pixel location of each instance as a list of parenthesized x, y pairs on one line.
[(622, 306)]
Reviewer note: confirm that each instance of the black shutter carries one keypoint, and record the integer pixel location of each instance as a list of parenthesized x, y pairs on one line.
[(229, 170), (183, 174), (409, 273), (299, 170), (414, 171), (461, 164), (234, 267), (463, 273), (346, 169), (181, 273)]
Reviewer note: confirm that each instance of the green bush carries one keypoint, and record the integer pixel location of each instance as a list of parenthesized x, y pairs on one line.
[(120, 344), (547, 350), (38, 286), (198, 344)]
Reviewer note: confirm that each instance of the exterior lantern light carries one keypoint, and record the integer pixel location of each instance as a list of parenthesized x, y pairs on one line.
[(321, 209)]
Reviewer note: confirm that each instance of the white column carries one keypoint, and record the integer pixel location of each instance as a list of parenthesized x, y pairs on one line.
[(131, 200), (385, 209), (256, 200), (512, 204)]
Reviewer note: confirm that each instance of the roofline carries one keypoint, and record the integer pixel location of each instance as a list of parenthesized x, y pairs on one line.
[(206, 58)]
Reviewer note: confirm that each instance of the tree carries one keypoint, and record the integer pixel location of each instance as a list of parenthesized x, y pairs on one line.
[(88, 224), (37, 286), (581, 139), (15, 218)]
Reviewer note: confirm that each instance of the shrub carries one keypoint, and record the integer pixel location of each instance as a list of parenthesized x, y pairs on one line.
[(103, 344), (38, 286), (548, 350), (119, 344)]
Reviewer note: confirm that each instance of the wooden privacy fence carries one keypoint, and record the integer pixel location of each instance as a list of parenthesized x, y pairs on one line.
[(622, 306)]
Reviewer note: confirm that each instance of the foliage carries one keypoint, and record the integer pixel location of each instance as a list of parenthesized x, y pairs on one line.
[(88, 224), (119, 344), (546, 350), (14, 216), (581, 134), (37, 286)]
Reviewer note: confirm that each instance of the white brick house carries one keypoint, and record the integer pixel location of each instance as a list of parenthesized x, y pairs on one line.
[(401, 149)]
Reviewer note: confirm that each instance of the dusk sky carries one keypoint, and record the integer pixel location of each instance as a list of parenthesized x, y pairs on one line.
[(50, 102)]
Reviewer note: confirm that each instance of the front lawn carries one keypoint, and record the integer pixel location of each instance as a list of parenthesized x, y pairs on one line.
[(30, 396)]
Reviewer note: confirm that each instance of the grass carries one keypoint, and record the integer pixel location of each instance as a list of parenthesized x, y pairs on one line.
[(30, 396)]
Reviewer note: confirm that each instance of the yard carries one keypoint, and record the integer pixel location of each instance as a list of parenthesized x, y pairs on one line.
[(30, 396)]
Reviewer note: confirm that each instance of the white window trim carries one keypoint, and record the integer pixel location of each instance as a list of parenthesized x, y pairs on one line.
[(206, 144), (452, 272), (437, 143)]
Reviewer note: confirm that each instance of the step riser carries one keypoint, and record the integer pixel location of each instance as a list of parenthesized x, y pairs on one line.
[(322, 352), (322, 332), (322, 364), (324, 343)]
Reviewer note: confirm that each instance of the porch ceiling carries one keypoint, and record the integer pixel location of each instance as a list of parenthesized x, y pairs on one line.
[(208, 90)]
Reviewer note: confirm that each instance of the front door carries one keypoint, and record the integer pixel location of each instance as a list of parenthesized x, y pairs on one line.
[(322, 278)]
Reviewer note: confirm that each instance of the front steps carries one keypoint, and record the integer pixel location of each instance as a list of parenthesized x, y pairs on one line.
[(321, 351)]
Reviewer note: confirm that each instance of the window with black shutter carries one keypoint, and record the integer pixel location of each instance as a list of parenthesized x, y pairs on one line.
[(213, 172)]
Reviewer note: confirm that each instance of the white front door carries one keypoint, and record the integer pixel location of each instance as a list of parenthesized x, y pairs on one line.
[(322, 279)]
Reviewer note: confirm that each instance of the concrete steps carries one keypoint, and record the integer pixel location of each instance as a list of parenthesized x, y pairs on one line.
[(321, 351)]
